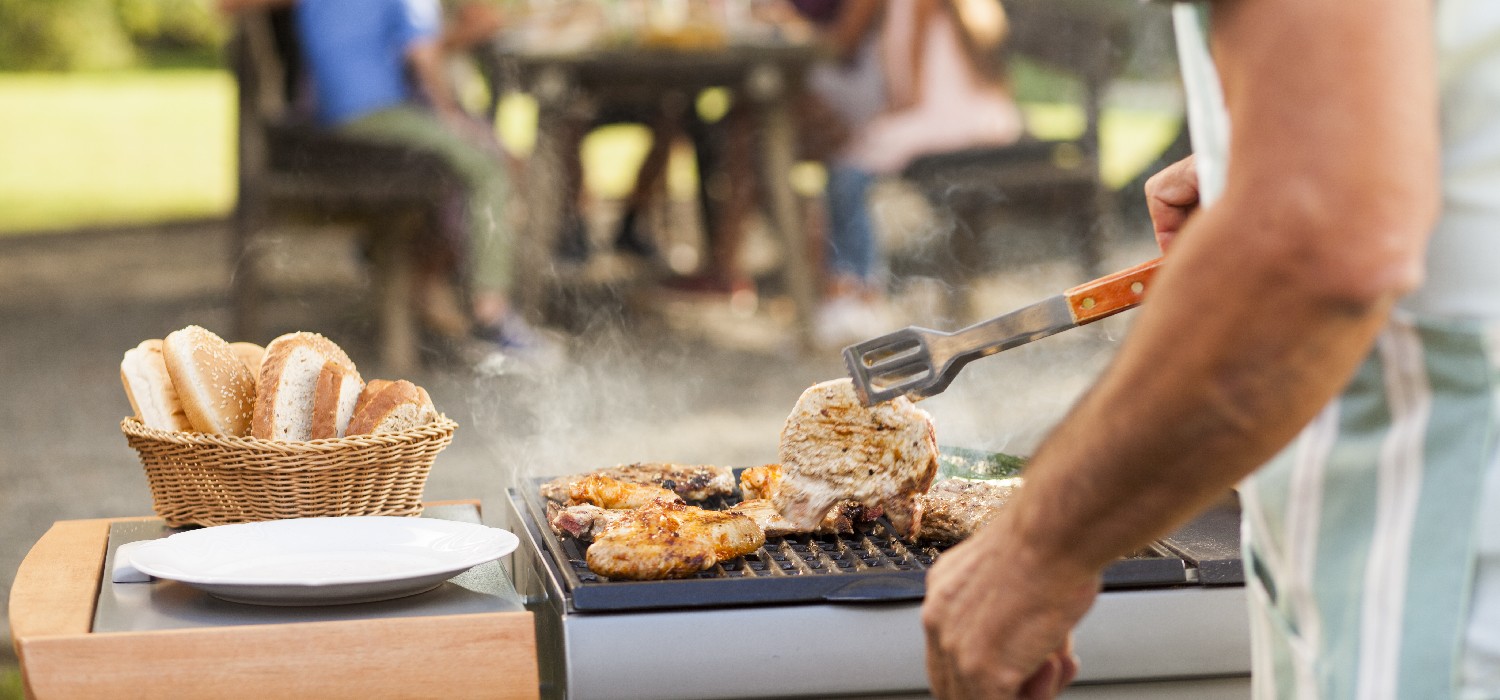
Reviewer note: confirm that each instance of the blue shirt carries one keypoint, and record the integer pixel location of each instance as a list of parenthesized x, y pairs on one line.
[(356, 52)]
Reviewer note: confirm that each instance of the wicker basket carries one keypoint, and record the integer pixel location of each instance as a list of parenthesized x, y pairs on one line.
[(199, 479)]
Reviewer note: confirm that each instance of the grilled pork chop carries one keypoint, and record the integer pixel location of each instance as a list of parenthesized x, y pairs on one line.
[(834, 448), (610, 493), (956, 508), (840, 519), (584, 521), (670, 540), (690, 481)]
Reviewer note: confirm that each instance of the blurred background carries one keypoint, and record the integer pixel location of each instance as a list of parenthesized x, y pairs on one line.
[(674, 174)]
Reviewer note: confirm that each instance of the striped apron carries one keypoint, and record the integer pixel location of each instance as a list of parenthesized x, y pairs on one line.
[(1372, 543)]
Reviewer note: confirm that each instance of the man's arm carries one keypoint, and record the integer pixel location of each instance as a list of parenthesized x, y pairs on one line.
[(230, 7), (427, 60), (472, 24), (1266, 305), (856, 19)]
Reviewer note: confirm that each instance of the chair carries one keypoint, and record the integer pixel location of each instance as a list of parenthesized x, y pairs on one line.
[(287, 165), (1052, 178)]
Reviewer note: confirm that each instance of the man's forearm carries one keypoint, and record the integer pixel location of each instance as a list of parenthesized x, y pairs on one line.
[(1269, 300), (426, 61)]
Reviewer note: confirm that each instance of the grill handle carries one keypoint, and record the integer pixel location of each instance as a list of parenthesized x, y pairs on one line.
[(879, 589)]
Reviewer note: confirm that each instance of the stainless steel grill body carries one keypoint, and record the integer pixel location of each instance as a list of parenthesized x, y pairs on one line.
[(1193, 639)]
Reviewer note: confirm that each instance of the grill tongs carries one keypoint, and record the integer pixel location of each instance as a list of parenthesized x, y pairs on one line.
[(920, 362)]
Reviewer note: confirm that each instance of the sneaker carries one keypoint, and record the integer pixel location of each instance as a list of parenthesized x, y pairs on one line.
[(573, 241), (632, 240), (846, 320), (515, 344)]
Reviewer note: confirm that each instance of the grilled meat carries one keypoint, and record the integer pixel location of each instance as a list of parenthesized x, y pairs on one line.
[(840, 519), (956, 508), (760, 482), (584, 521), (671, 540), (691, 482), (834, 448), (759, 485), (614, 494)]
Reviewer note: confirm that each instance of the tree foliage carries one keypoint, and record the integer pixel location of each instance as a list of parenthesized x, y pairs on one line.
[(59, 35)]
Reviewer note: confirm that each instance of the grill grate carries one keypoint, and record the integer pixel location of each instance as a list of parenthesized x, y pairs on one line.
[(870, 565)]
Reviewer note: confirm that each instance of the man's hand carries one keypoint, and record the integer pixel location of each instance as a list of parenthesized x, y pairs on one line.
[(999, 618), (1172, 197), (472, 24)]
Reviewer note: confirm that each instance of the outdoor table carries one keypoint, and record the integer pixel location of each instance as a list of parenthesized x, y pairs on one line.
[(399, 650), (768, 75)]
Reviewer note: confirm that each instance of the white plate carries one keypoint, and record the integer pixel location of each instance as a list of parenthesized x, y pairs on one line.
[(322, 561)]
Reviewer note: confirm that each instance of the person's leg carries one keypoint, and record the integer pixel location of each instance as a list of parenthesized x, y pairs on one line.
[(853, 255), (482, 171), (853, 307), (650, 181)]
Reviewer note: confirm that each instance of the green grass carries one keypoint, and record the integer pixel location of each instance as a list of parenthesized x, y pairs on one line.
[(148, 146), (10, 683), (1130, 139), (97, 149)]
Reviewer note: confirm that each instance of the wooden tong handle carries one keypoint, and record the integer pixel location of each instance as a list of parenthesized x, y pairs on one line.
[(1110, 294)]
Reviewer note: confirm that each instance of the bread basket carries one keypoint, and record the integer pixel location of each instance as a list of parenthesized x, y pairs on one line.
[(200, 479)]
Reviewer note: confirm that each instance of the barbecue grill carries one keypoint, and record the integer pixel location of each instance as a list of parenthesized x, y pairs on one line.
[(831, 615)]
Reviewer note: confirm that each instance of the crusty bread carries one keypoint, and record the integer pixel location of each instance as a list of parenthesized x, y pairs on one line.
[(250, 354), (149, 388), (286, 391), (217, 391), (391, 408), (334, 397)]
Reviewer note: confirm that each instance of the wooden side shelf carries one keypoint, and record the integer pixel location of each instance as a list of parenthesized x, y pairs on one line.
[(489, 655)]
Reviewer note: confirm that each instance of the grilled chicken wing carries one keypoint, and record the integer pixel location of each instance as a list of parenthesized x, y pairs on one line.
[(671, 540), (692, 482), (760, 482), (834, 448), (956, 508), (610, 493)]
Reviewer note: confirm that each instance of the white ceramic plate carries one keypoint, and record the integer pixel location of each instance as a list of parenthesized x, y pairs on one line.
[(322, 561)]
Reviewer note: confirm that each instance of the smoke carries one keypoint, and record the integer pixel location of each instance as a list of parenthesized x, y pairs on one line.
[(638, 395)]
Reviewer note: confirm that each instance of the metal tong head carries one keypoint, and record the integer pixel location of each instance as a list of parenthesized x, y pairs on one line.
[(920, 362), (896, 364)]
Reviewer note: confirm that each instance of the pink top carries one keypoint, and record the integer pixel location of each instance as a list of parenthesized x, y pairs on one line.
[(957, 107)]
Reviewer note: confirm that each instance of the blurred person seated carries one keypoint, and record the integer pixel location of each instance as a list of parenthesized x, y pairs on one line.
[(378, 71), (724, 145), (911, 77)]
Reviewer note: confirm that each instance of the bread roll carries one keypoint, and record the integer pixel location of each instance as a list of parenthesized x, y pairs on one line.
[(392, 407), (217, 391), (251, 354), (149, 388), (288, 384), (334, 397)]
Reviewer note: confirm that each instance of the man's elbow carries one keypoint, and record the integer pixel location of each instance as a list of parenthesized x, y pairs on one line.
[(1356, 247)]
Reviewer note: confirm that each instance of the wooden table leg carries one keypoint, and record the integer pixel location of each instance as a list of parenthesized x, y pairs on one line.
[(547, 194), (776, 159), (396, 289)]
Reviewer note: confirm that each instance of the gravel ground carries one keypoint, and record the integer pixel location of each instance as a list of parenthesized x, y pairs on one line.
[(686, 381)]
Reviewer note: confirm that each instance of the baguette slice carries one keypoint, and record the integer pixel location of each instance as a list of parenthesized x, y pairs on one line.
[(288, 384), (392, 407), (149, 388), (250, 354), (337, 391), (216, 389)]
